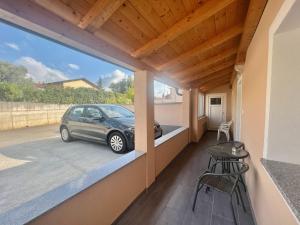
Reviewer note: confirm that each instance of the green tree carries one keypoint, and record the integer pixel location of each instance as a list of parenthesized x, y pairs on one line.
[(100, 83), (10, 92), (13, 74), (122, 86)]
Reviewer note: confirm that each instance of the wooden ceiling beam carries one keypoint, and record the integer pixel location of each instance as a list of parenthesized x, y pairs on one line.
[(103, 9), (206, 63), (205, 46), (255, 11), (212, 76), (209, 71), (205, 11)]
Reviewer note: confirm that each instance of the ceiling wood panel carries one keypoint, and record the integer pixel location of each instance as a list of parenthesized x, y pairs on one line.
[(138, 20), (219, 66), (207, 45), (219, 74), (206, 63), (202, 13), (213, 81), (214, 84), (148, 12), (187, 40)]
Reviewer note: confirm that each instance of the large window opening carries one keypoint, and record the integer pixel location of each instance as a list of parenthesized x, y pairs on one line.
[(63, 114), (284, 108), (168, 107)]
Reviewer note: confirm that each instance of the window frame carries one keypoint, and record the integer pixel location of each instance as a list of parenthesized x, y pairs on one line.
[(202, 105)]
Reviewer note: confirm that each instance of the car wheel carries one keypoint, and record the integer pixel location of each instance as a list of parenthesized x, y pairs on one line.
[(117, 142), (65, 134)]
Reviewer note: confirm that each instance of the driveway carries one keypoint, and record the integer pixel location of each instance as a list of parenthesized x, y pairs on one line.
[(35, 160), (37, 163)]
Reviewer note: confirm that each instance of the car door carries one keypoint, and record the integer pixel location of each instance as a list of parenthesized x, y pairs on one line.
[(94, 127), (76, 121)]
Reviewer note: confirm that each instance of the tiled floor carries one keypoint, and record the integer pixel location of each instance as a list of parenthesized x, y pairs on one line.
[(169, 200)]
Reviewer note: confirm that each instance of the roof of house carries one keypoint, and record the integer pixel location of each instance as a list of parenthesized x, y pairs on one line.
[(71, 80)]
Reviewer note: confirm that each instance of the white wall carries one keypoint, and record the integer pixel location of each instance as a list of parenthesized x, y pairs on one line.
[(284, 117)]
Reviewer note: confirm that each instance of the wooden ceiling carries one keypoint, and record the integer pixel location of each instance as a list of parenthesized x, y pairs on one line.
[(195, 42)]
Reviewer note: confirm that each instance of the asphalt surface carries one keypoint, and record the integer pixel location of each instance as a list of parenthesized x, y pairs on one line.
[(35, 160)]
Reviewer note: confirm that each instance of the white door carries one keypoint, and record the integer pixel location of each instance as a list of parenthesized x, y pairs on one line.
[(238, 110), (216, 110)]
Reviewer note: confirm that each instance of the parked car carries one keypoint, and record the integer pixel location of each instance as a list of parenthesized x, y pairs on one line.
[(105, 123)]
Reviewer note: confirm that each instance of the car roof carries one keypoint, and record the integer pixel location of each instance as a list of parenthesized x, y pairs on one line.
[(95, 105)]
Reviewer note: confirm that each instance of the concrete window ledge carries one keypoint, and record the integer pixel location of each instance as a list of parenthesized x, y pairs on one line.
[(169, 136), (286, 177), (36, 207)]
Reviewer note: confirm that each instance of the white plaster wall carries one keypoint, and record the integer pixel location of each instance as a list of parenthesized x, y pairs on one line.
[(284, 120)]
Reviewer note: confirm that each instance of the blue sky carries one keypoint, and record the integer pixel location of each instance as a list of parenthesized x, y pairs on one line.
[(48, 61)]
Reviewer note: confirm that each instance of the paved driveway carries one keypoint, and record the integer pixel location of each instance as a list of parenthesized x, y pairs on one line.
[(35, 160)]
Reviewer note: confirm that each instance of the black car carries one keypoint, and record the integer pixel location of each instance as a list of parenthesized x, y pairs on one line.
[(105, 123)]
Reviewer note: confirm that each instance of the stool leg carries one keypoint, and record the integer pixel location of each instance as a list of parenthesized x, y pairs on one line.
[(227, 136), (196, 194), (243, 183), (209, 163)]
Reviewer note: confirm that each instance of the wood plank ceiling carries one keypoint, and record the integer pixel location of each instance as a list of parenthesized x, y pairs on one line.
[(195, 42)]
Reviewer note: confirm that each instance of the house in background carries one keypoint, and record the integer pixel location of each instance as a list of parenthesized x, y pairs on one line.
[(74, 83)]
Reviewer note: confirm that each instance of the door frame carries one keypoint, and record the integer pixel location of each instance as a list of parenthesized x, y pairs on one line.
[(224, 103), (238, 127)]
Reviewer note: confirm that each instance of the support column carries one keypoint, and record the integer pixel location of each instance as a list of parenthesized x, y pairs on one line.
[(187, 119), (144, 120)]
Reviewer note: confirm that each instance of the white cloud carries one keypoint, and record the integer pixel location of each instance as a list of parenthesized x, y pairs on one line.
[(13, 46), (114, 77), (40, 72), (74, 66)]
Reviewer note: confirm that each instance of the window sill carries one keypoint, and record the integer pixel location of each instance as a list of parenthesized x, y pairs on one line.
[(286, 177), (36, 207), (169, 136), (167, 103)]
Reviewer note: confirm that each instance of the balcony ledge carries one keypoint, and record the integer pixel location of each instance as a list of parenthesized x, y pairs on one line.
[(36, 207), (169, 136), (286, 177)]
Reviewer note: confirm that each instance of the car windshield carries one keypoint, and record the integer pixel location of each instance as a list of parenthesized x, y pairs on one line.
[(113, 111)]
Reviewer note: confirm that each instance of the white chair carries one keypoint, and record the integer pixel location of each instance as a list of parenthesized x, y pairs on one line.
[(225, 128)]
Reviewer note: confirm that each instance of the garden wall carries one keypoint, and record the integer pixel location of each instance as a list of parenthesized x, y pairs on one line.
[(15, 115), (21, 114)]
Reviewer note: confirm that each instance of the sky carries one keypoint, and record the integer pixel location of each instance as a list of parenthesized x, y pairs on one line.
[(48, 61)]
